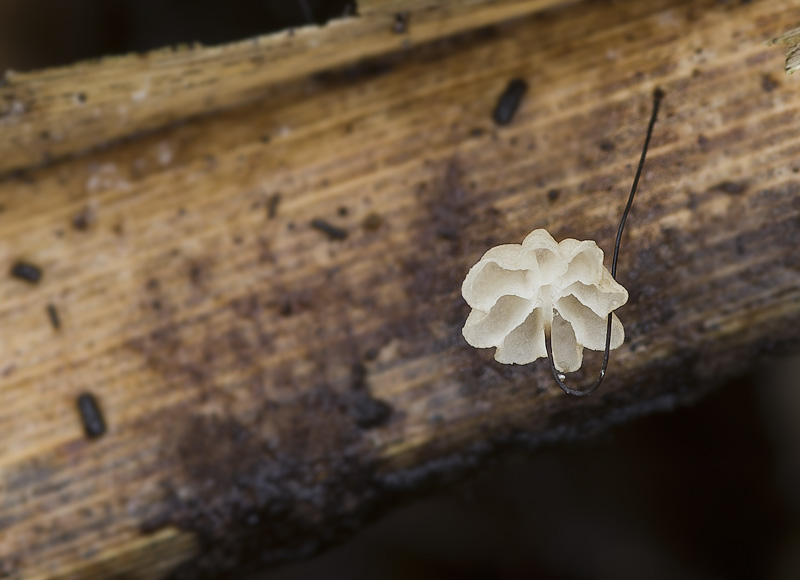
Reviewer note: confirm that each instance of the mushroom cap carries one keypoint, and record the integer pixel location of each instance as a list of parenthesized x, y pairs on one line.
[(518, 291)]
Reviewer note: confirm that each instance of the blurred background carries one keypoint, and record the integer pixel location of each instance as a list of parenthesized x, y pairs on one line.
[(42, 33), (709, 491)]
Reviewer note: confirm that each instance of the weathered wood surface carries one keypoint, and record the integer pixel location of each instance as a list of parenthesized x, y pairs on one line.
[(48, 114), (238, 356)]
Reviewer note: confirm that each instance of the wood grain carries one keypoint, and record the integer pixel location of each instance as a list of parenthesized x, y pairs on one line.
[(47, 114), (241, 359)]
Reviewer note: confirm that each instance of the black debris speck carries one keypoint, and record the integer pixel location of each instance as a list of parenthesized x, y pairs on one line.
[(27, 272), (368, 412), (731, 187), (54, 318), (334, 232), (272, 205), (768, 83), (553, 194), (509, 102), (92, 417), (82, 220), (400, 25), (606, 146), (196, 274)]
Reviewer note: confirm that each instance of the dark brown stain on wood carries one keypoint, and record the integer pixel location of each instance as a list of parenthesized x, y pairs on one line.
[(256, 469), (262, 494)]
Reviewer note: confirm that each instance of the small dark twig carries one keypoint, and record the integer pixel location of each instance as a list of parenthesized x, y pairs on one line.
[(94, 425), (509, 102), (658, 94), (55, 320), (334, 232), (28, 272)]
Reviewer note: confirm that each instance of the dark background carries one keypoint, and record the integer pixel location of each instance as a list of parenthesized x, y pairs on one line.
[(710, 491), (42, 33), (705, 492)]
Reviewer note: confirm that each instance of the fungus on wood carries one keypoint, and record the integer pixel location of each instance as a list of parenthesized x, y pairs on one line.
[(519, 292), (270, 406)]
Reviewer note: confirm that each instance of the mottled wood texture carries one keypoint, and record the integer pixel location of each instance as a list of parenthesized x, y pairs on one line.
[(245, 362)]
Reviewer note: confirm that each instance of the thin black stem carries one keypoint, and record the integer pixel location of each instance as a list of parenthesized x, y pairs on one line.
[(658, 94)]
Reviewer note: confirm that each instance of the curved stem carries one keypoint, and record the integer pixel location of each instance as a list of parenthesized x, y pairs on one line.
[(658, 94), (557, 376)]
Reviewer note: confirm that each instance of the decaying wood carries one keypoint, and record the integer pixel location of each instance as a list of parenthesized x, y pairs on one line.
[(48, 114), (266, 387)]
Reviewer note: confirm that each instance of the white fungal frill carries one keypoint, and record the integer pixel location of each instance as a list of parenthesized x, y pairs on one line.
[(517, 291)]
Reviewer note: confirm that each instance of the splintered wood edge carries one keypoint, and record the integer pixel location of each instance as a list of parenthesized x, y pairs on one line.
[(48, 114)]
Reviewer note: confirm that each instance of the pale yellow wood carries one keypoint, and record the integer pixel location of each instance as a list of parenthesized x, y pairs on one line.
[(51, 113), (228, 348)]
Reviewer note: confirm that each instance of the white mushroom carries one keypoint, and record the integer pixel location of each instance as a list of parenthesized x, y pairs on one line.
[(520, 291)]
